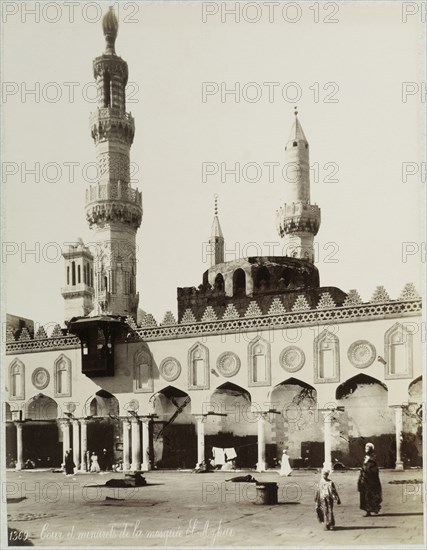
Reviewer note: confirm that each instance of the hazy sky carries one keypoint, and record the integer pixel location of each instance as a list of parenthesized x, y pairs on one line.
[(360, 61)]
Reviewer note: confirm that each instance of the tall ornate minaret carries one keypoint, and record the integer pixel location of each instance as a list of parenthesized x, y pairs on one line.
[(216, 240), (113, 208), (298, 221)]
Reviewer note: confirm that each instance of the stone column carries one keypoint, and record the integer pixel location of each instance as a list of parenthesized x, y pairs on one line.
[(76, 443), (126, 441), (327, 430), (261, 444), (399, 428), (200, 439), (65, 425), (19, 447), (146, 445), (83, 446), (136, 445)]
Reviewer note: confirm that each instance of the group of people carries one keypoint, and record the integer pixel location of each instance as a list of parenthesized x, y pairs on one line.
[(93, 462), (368, 485)]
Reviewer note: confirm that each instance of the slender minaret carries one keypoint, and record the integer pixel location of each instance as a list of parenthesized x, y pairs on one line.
[(216, 240), (298, 221), (78, 290), (113, 208)]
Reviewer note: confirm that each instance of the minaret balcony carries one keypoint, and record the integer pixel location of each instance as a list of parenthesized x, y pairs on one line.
[(110, 123), (298, 217), (114, 190), (80, 289)]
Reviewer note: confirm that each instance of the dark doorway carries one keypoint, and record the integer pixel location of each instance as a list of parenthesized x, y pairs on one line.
[(179, 443), (100, 435), (41, 443), (10, 445)]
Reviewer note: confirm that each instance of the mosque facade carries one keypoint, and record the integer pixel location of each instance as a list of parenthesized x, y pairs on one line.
[(259, 358)]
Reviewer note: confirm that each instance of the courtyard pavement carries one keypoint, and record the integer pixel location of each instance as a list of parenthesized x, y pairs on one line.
[(182, 509)]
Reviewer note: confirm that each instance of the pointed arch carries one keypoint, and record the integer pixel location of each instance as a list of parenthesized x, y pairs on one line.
[(62, 376), (350, 385), (259, 362), (142, 371), (326, 357), (398, 351), (219, 283), (233, 389), (198, 367), (239, 282), (41, 407), (16, 380), (102, 404)]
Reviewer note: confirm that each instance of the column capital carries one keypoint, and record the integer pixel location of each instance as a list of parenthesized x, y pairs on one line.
[(64, 423), (19, 424)]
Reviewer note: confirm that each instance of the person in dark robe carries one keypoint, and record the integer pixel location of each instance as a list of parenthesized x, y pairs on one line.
[(104, 461), (69, 463), (369, 485)]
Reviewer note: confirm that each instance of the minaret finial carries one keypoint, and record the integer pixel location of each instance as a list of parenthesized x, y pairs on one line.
[(216, 204), (295, 110), (110, 26)]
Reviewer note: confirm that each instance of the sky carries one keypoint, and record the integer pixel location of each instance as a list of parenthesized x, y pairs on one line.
[(346, 77)]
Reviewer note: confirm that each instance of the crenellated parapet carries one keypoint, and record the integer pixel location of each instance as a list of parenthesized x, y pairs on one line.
[(303, 311)]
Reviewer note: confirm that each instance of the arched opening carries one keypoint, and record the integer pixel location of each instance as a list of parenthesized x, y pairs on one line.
[(173, 434), (10, 449), (262, 278), (412, 443), (104, 427), (286, 278), (219, 283), (239, 283), (366, 417), (107, 90), (298, 426), (73, 273), (231, 428), (41, 435)]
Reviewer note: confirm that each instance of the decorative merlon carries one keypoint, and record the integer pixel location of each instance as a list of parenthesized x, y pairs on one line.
[(41, 333), (253, 310), (168, 319), (188, 317), (56, 332), (276, 307), (209, 315), (231, 312), (326, 301), (353, 298), (130, 321), (409, 292), (380, 295), (301, 304), (148, 321)]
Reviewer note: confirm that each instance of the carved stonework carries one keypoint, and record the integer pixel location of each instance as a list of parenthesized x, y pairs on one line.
[(170, 369), (326, 301), (292, 359), (253, 310), (198, 367), (301, 304), (353, 298), (409, 292), (40, 378), (228, 364), (209, 315), (168, 319), (188, 317), (326, 358), (380, 295), (62, 376), (259, 362), (114, 212), (276, 307), (231, 312), (361, 354), (40, 334)]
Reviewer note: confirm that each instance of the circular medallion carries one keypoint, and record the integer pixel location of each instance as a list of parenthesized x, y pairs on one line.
[(170, 369), (40, 378), (292, 359), (361, 354), (132, 406), (228, 364)]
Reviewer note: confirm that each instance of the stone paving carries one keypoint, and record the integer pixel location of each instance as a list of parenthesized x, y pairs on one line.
[(182, 509)]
